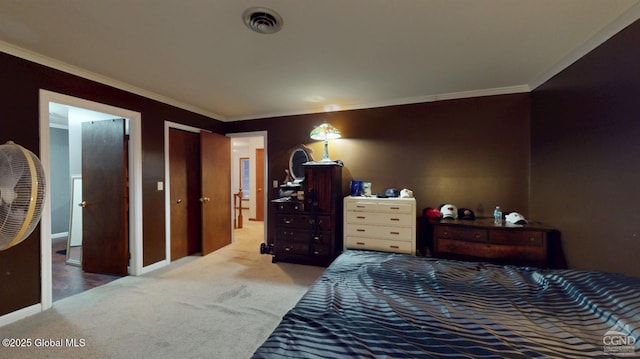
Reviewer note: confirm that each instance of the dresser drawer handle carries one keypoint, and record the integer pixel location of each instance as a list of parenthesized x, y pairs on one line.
[(394, 247), (451, 246), (477, 236), (287, 220), (361, 230), (360, 243), (394, 219), (394, 207), (445, 233), (396, 233), (361, 217), (360, 206)]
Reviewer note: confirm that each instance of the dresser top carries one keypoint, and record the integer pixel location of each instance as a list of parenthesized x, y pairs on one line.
[(487, 223), (378, 199)]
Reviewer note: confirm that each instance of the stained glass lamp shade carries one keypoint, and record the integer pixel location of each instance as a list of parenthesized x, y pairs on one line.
[(325, 132)]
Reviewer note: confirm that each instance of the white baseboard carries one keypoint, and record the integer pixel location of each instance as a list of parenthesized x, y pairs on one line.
[(20, 314), (153, 267)]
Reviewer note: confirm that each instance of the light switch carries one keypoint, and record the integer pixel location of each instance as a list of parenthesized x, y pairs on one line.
[(275, 183), (160, 186)]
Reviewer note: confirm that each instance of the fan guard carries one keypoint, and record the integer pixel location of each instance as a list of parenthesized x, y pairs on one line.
[(22, 190)]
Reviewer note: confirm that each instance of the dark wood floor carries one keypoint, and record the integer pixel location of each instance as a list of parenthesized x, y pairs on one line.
[(68, 279)]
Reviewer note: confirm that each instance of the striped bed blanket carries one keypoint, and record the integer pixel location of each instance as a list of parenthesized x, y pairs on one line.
[(385, 305)]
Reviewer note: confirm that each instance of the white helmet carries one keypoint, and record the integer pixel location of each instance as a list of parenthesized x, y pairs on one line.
[(515, 218), (449, 211)]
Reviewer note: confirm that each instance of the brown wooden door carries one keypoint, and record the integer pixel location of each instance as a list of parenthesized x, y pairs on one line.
[(259, 192), (105, 242), (215, 164), (184, 204)]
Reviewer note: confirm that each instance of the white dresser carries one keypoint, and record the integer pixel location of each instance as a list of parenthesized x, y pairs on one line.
[(380, 224)]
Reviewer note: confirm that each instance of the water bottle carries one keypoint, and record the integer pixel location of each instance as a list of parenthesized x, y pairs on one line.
[(497, 216)]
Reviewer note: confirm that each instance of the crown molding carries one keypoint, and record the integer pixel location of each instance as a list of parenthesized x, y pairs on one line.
[(59, 65), (624, 20)]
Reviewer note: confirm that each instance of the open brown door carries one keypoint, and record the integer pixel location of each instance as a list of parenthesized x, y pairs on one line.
[(215, 166), (259, 192), (105, 242)]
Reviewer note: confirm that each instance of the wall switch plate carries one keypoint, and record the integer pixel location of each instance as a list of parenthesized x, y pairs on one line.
[(160, 186), (275, 183)]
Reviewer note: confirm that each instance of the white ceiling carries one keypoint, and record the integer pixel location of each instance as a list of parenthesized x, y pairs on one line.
[(198, 54)]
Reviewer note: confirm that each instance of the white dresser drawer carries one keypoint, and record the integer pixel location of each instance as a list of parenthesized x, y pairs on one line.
[(382, 224), (380, 232), (378, 245), (362, 206), (373, 206), (378, 218)]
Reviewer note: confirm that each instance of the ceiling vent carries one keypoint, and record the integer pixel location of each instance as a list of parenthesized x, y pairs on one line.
[(262, 20)]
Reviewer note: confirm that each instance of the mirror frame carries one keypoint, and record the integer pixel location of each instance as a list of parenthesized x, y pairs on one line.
[(308, 153), (75, 221)]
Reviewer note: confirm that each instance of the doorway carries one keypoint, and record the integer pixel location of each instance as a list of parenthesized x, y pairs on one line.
[(249, 182), (198, 177), (133, 169)]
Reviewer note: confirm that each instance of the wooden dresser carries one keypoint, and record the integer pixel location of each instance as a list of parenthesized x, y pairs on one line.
[(309, 231), (481, 240), (382, 224)]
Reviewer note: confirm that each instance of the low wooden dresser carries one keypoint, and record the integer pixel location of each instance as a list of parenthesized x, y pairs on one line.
[(381, 224), (482, 240)]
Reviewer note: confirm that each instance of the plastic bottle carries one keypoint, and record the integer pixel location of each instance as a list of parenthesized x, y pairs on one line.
[(497, 216)]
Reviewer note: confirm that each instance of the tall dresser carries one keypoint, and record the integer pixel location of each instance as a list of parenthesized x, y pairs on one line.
[(381, 224), (309, 231)]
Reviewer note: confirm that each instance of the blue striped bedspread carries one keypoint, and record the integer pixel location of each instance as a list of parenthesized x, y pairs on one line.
[(384, 305)]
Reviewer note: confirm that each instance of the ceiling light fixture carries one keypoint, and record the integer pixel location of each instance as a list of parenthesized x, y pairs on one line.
[(262, 20)]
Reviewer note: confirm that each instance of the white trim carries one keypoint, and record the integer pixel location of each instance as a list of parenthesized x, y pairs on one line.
[(626, 19), (135, 183), (152, 267), (167, 182), (264, 135), (59, 65), (59, 235), (20, 314), (400, 101)]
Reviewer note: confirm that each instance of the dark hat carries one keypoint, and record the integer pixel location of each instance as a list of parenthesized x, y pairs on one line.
[(466, 213)]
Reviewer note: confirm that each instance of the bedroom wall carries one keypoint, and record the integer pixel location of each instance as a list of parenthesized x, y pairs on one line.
[(20, 81), (470, 152), (584, 155)]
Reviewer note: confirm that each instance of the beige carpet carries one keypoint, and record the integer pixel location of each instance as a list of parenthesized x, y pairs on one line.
[(223, 305)]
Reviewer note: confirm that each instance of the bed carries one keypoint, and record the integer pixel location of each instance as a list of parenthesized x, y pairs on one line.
[(385, 305)]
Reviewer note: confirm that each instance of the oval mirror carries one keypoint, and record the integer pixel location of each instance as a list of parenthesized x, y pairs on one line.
[(298, 157)]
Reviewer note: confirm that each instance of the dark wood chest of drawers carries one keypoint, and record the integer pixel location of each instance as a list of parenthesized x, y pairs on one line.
[(309, 231), (481, 240)]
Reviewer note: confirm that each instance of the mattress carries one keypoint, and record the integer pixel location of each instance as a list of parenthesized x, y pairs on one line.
[(375, 305)]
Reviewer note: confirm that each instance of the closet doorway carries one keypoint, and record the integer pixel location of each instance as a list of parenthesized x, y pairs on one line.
[(197, 198)]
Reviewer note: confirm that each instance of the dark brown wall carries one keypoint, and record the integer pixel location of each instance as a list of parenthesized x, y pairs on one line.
[(585, 150), (471, 152), (20, 82)]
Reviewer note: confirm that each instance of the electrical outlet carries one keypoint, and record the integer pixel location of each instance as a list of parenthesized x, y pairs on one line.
[(275, 183)]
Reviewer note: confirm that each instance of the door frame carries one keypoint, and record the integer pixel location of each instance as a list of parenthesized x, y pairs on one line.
[(167, 175), (265, 196), (135, 184)]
